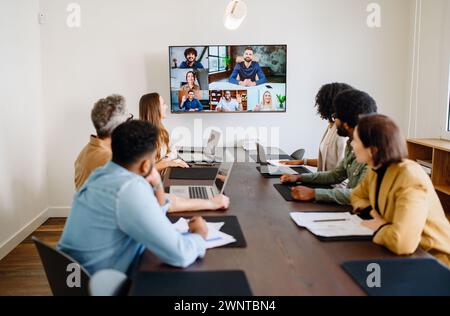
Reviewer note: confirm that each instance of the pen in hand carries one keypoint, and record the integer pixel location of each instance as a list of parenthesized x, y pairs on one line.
[(197, 225)]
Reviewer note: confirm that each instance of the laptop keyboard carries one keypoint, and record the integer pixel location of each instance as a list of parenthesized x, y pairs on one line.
[(198, 193)]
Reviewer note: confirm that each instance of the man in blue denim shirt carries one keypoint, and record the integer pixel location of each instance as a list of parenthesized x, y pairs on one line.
[(121, 210)]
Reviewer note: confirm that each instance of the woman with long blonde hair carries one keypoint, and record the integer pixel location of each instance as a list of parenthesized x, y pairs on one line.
[(266, 103), (153, 108)]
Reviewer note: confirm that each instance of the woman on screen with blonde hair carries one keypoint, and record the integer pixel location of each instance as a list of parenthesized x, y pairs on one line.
[(266, 103)]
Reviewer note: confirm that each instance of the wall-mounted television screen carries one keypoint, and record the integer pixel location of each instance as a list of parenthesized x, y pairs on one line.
[(224, 79)]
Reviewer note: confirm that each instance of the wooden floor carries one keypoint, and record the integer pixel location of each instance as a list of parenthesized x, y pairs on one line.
[(21, 271)]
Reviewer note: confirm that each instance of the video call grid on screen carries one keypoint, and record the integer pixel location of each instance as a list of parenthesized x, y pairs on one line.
[(228, 78)]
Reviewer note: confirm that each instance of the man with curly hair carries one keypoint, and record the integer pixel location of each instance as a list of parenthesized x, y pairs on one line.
[(349, 105), (191, 60)]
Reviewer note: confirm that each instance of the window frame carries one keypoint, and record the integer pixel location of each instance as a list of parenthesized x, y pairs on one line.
[(445, 134), (446, 131), (218, 57)]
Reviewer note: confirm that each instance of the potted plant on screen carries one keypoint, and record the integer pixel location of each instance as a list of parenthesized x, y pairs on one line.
[(227, 60), (281, 100)]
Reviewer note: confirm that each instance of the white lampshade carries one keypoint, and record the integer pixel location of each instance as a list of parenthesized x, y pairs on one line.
[(235, 13)]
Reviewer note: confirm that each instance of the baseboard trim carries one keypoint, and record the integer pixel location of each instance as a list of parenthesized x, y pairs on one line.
[(10, 244), (58, 212)]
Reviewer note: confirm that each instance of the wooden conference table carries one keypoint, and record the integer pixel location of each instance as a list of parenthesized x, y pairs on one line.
[(280, 258)]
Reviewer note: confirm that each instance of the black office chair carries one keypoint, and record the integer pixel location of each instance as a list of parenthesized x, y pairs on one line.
[(298, 154), (60, 274)]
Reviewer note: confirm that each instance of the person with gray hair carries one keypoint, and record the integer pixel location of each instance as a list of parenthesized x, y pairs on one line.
[(107, 114)]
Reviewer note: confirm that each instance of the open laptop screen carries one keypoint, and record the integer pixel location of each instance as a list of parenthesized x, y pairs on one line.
[(261, 154), (212, 143), (223, 176)]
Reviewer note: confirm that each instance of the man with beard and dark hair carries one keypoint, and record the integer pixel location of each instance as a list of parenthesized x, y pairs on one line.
[(121, 210), (191, 60), (332, 146), (228, 104), (248, 73), (348, 105), (191, 104)]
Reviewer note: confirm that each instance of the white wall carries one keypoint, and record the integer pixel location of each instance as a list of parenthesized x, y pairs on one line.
[(23, 186), (50, 76), (431, 69), (122, 48)]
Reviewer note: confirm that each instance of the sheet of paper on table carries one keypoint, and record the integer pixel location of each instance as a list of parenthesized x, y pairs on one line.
[(215, 237), (331, 224), (276, 162)]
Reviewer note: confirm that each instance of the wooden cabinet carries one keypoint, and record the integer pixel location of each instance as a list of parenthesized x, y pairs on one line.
[(437, 153)]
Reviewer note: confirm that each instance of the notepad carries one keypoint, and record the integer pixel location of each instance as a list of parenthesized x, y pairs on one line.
[(215, 237), (333, 226)]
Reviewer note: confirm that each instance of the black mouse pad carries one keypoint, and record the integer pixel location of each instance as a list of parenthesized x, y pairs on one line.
[(401, 277), (208, 283), (193, 173), (285, 189), (231, 227)]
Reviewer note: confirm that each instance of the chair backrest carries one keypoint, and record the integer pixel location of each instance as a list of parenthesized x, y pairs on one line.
[(109, 283), (298, 154), (65, 276)]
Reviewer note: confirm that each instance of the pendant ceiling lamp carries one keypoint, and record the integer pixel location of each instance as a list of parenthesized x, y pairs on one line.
[(235, 14)]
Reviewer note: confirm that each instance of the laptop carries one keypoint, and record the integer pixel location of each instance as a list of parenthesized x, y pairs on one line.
[(205, 192), (201, 154), (267, 168), (210, 148)]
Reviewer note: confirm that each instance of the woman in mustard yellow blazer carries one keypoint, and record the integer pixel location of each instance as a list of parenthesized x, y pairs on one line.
[(397, 192)]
